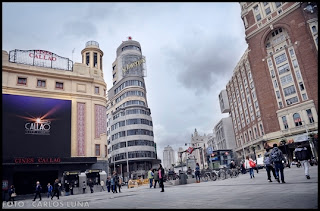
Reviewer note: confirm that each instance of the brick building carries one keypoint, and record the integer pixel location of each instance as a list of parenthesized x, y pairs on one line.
[(282, 62)]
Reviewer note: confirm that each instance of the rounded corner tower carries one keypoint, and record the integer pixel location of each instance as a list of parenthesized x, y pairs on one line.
[(131, 146)]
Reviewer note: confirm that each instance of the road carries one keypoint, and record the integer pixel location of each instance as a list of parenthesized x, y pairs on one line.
[(235, 193)]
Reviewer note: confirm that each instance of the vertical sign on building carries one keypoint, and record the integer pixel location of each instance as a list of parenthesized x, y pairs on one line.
[(81, 120)]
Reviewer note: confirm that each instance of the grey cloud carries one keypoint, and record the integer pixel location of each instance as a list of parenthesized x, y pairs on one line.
[(79, 29), (200, 64)]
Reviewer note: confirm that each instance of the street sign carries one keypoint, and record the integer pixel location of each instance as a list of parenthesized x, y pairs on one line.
[(209, 150)]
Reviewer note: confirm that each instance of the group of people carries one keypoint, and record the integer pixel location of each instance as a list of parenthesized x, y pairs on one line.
[(273, 161), (155, 176)]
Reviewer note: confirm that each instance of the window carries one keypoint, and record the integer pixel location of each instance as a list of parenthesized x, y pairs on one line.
[(301, 86), (280, 104), (59, 85), (285, 123), (314, 29), (291, 52), (278, 4), (97, 149), (272, 74), (295, 63), (268, 11), (298, 75), (278, 94), (304, 96), (297, 119), (275, 83), (309, 113), (292, 100), (101, 62), (87, 58), (258, 17), (261, 129), (105, 150), (41, 83), (22, 80), (281, 58), (270, 62), (96, 90), (286, 79), (95, 59), (265, 3), (284, 68), (289, 90)]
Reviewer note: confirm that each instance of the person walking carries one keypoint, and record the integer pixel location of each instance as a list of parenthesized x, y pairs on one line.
[(277, 158), (303, 155), (71, 188), (84, 187), (67, 188), (248, 164), (49, 188), (113, 183), (150, 177), (268, 164), (37, 191), (161, 177), (55, 189), (108, 183), (117, 182), (197, 173), (90, 183), (102, 184), (156, 178), (12, 194)]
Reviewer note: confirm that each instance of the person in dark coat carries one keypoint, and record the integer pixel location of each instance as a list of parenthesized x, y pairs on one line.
[(90, 183), (108, 183), (37, 191), (156, 178), (11, 191), (161, 177), (55, 189), (67, 188)]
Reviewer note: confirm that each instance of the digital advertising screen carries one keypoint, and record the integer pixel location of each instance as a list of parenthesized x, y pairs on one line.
[(35, 127)]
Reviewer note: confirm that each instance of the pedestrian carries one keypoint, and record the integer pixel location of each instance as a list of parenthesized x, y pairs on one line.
[(120, 183), (37, 191), (189, 171), (108, 183), (84, 187), (197, 173), (248, 164), (113, 183), (304, 156), (55, 189), (117, 182), (102, 184), (90, 183), (150, 177), (269, 166), (71, 188), (49, 188), (243, 169), (161, 177), (12, 194), (67, 188), (156, 178), (277, 158)]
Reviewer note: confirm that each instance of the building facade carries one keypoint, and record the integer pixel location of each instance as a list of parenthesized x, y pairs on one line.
[(168, 158), (55, 118), (273, 94), (225, 137), (131, 147)]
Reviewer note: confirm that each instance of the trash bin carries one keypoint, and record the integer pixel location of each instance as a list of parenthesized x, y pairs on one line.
[(183, 178)]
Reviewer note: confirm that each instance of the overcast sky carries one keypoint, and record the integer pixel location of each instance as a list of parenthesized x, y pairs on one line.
[(191, 50)]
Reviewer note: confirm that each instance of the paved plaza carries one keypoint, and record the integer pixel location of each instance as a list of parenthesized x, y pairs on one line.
[(241, 192)]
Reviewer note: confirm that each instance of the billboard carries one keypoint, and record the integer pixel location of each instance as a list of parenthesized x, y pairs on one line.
[(35, 127), (133, 65)]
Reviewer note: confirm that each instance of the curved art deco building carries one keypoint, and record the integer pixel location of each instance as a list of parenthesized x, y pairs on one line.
[(131, 146)]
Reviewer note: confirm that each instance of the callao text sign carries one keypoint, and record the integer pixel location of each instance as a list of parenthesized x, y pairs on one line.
[(40, 58)]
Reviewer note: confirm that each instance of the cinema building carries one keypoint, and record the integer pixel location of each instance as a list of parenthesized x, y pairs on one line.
[(273, 93), (131, 147), (54, 118)]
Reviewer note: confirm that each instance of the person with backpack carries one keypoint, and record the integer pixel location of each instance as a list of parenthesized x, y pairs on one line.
[(277, 158), (303, 155), (249, 164), (268, 164)]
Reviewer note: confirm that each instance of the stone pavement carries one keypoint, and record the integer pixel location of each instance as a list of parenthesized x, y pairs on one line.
[(237, 193)]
